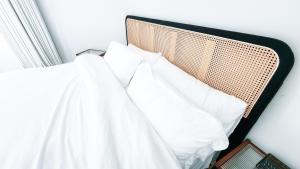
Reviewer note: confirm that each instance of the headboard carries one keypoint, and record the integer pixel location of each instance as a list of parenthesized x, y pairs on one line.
[(249, 67)]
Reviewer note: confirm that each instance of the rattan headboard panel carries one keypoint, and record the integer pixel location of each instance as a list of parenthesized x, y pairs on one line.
[(234, 67)]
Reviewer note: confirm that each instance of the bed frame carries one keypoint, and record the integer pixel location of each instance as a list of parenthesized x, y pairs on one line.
[(249, 67)]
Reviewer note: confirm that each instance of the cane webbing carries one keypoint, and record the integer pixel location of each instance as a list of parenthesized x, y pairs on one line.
[(234, 67), (247, 158)]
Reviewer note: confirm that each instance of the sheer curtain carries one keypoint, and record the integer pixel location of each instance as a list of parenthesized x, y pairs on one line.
[(25, 29)]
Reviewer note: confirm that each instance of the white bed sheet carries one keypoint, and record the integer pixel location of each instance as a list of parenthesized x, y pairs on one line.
[(75, 116)]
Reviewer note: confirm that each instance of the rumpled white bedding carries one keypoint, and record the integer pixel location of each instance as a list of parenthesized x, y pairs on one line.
[(75, 115)]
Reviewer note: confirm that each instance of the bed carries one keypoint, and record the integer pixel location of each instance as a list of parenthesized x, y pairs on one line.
[(247, 66), (80, 115)]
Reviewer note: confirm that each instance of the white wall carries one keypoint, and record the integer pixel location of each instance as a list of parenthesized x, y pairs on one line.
[(76, 25), (80, 24)]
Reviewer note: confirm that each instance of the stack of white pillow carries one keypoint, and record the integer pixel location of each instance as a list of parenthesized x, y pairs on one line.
[(193, 118)]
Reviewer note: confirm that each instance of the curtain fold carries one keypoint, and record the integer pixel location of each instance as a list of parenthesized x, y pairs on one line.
[(27, 32)]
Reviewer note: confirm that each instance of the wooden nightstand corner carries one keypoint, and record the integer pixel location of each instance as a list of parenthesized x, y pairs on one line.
[(246, 155)]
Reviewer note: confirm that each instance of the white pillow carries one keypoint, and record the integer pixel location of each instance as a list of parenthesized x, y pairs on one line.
[(226, 108), (150, 57), (122, 61), (185, 128)]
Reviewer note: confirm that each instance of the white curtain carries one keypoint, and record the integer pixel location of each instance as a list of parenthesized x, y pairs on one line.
[(27, 32)]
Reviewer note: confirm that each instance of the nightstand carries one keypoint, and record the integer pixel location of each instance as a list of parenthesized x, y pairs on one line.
[(92, 51), (244, 156)]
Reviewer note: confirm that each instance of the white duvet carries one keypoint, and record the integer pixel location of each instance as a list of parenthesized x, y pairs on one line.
[(75, 115)]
